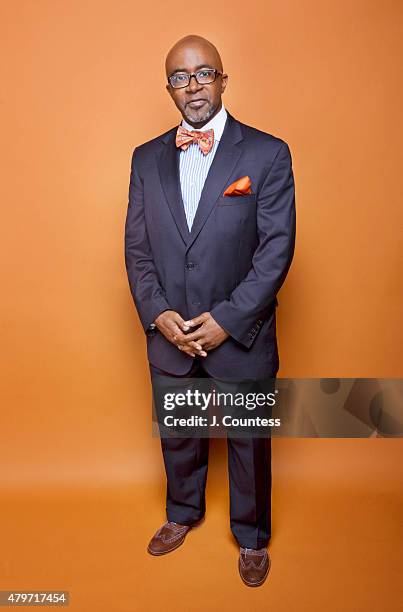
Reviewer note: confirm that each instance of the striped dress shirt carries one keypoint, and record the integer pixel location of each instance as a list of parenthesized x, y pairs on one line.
[(194, 165)]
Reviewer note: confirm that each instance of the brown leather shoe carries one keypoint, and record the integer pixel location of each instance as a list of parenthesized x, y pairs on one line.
[(167, 538), (253, 565)]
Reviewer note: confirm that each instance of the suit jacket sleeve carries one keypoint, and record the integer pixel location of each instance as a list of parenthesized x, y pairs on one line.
[(145, 286), (242, 313)]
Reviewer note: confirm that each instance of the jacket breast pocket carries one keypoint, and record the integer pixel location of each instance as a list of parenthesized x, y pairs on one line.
[(243, 200), (230, 218)]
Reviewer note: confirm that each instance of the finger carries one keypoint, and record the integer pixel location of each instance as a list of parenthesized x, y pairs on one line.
[(198, 347), (187, 338), (193, 345), (180, 322), (176, 332), (185, 349), (197, 320), (197, 335)]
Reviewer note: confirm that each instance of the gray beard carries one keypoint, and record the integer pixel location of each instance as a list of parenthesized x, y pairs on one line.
[(200, 118)]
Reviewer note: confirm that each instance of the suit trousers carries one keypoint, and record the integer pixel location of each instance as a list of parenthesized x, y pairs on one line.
[(249, 467)]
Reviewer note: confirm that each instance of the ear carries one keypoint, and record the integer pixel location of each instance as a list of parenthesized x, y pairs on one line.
[(224, 81)]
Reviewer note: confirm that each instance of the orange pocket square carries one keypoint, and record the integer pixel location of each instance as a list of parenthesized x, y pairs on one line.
[(239, 187)]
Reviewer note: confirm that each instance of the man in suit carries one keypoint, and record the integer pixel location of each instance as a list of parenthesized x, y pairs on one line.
[(204, 270)]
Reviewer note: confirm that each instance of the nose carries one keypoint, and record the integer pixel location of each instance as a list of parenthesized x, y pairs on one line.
[(193, 85)]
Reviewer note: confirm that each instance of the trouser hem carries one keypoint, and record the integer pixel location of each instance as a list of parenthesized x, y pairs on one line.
[(183, 519), (253, 543)]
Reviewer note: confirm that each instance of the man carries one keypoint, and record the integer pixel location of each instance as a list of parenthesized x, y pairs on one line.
[(204, 270)]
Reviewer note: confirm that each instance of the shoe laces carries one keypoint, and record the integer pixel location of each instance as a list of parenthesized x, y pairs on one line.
[(255, 551), (175, 526)]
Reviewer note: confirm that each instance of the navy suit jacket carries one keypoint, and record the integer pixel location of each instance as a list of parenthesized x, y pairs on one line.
[(233, 261)]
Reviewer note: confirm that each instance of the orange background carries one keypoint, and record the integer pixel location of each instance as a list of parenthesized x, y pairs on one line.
[(82, 479)]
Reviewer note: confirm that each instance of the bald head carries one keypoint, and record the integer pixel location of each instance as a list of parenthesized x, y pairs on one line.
[(197, 101), (192, 44)]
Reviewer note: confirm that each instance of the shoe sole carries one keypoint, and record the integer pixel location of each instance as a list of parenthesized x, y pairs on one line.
[(254, 584)]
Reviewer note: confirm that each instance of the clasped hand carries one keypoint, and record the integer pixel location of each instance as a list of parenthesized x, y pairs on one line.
[(206, 337)]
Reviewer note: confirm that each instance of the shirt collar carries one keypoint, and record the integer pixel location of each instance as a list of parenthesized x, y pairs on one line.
[(217, 123)]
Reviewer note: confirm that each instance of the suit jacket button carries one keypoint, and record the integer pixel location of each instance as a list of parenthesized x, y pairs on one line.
[(190, 265)]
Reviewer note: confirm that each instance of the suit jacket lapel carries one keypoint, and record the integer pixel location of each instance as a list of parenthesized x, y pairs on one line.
[(168, 166), (225, 159)]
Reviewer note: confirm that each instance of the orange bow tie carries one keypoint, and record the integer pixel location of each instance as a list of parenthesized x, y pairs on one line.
[(184, 139)]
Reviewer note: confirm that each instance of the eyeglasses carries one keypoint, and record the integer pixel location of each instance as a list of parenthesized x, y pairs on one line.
[(203, 77)]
